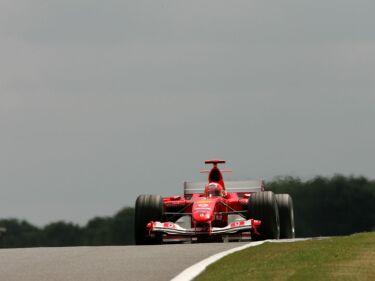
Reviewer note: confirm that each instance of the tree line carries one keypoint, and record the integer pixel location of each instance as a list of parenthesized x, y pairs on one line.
[(99, 231), (330, 206), (323, 206)]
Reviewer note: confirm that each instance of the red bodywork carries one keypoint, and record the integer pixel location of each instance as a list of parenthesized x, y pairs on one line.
[(207, 215)]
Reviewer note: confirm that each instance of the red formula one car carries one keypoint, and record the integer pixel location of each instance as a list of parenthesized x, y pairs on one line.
[(214, 211)]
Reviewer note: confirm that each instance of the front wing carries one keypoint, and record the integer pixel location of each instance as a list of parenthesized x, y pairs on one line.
[(175, 229)]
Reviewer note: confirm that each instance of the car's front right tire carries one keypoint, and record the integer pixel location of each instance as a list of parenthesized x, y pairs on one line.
[(147, 208)]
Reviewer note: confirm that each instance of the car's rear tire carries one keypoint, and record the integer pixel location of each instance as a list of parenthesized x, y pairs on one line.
[(147, 208), (262, 206), (285, 205)]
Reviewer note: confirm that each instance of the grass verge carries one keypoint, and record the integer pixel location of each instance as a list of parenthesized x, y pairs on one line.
[(338, 258)]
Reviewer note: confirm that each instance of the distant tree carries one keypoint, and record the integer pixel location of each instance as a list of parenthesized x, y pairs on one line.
[(19, 233), (62, 234), (98, 231), (122, 228), (116, 230)]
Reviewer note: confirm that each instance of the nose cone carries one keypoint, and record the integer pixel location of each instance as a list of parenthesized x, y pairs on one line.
[(203, 210), (202, 216)]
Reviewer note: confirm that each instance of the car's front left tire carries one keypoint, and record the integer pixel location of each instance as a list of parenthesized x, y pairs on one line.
[(262, 206)]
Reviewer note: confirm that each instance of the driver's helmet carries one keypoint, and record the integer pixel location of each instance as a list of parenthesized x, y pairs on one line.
[(214, 189)]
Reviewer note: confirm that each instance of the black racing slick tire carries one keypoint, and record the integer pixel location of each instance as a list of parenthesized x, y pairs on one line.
[(285, 205), (262, 206), (147, 208)]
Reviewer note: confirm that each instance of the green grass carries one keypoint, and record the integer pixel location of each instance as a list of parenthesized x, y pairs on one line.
[(338, 258)]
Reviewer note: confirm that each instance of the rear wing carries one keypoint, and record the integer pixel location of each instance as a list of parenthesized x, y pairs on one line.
[(249, 186)]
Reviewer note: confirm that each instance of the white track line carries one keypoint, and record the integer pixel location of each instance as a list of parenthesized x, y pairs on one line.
[(193, 271)]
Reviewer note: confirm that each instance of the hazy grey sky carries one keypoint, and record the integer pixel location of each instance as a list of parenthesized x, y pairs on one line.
[(103, 100)]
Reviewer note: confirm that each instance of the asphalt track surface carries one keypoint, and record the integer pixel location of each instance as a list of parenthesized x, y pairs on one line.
[(140, 263)]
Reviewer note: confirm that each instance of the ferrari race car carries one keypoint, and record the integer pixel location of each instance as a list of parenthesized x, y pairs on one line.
[(214, 211)]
